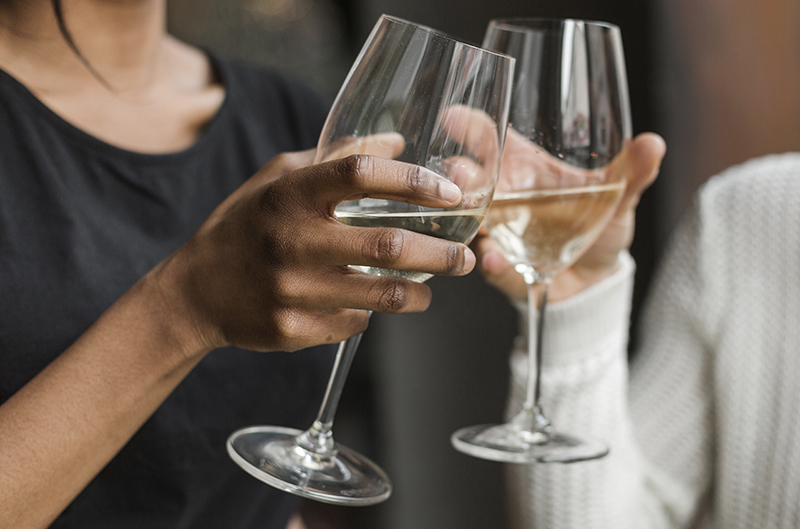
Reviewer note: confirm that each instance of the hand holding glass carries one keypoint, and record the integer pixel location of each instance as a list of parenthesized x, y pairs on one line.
[(561, 180), (422, 98)]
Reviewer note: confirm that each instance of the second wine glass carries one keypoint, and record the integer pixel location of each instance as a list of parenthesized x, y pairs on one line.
[(561, 180), (420, 97)]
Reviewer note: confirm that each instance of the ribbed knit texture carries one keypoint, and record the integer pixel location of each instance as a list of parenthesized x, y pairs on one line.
[(705, 431)]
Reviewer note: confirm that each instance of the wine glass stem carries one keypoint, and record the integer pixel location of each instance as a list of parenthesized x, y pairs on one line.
[(341, 366), (536, 314)]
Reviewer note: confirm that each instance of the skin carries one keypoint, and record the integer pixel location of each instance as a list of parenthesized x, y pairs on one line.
[(638, 163), (246, 278)]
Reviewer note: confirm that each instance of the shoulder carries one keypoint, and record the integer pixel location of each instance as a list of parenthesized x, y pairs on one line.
[(267, 97), (755, 201), (741, 219), (758, 200), (765, 183), (745, 231)]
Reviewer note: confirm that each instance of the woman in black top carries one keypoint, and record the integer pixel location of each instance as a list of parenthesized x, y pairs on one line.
[(124, 284)]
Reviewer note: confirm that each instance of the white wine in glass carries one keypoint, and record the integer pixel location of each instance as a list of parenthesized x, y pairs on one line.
[(547, 229), (423, 98), (560, 182), (457, 225)]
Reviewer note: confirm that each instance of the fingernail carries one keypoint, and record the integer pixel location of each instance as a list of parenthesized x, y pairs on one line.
[(449, 191), (469, 260)]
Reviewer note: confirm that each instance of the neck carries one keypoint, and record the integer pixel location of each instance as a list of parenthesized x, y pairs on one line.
[(122, 40)]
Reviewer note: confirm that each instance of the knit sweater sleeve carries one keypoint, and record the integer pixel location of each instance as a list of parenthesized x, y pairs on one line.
[(657, 421)]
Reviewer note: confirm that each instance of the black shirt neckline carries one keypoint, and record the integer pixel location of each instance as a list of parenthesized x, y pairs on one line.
[(86, 140)]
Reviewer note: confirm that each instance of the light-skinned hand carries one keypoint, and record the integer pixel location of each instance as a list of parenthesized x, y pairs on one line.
[(639, 163)]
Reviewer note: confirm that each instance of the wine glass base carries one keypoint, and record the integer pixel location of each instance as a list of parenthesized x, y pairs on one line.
[(271, 454), (505, 443)]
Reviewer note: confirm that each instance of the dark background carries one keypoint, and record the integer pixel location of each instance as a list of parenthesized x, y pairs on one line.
[(719, 79)]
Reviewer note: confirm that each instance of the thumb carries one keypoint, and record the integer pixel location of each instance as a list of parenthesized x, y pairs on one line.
[(641, 166)]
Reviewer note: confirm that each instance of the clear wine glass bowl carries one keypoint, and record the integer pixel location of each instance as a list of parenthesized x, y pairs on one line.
[(421, 97), (561, 179)]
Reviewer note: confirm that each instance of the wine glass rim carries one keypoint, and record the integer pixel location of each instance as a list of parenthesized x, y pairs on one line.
[(532, 23), (442, 34)]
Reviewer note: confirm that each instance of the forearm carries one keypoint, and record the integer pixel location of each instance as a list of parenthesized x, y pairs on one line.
[(584, 385), (68, 422), (586, 392)]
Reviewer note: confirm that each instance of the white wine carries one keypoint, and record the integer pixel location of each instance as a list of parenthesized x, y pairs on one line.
[(457, 225), (549, 229)]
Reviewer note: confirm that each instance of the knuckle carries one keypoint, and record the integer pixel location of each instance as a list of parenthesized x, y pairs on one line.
[(454, 259), (355, 167), (289, 329), (415, 179), (387, 246), (392, 295)]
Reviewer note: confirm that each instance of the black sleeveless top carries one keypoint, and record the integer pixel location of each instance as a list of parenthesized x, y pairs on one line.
[(80, 222)]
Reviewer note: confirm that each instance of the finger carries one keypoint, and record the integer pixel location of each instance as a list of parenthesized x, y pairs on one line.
[(474, 179), (342, 287), (386, 145), (641, 165), (303, 328), (527, 165), (361, 176), (496, 269), (389, 294), (392, 248), (474, 130), (460, 170)]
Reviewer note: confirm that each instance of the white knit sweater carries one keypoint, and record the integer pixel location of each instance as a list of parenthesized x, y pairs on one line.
[(705, 431)]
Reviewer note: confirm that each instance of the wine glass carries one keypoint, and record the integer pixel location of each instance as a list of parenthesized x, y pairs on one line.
[(421, 97), (560, 181)]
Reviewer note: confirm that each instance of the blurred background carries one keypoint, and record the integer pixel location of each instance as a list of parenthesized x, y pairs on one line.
[(719, 79)]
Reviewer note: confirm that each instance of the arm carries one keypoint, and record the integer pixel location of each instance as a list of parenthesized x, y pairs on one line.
[(659, 427), (584, 385), (267, 271)]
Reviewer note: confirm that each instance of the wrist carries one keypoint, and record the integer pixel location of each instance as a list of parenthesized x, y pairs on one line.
[(181, 327), (577, 279)]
